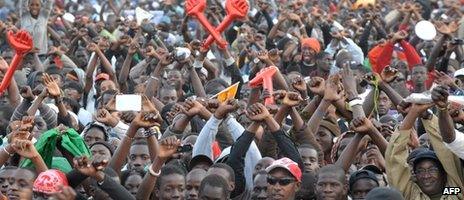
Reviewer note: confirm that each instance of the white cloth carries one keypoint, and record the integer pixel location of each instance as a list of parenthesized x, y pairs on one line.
[(457, 146)]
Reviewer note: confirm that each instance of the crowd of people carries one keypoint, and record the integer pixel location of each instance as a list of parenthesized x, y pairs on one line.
[(362, 105)]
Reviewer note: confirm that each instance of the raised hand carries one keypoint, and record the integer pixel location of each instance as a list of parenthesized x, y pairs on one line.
[(258, 112), (263, 55), (389, 74), (148, 117), (292, 99), (440, 96), (168, 146), (317, 85), (90, 167), (21, 42), (443, 79), (225, 108), (400, 35), (93, 47), (404, 107), (52, 87), (332, 91), (299, 84), (192, 107), (26, 93), (449, 29), (27, 123), (133, 48), (25, 148), (349, 82), (106, 118), (361, 125)]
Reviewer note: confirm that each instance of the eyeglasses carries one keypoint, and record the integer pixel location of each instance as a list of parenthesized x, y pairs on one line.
[(432, 170), (282, 181)]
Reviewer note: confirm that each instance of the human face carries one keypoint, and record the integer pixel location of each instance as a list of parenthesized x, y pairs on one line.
[(262, 164), (172, 187), (328, 186), (193, 182), (101, 150), (138, 157), (81, 58), (19, 179), (362, 187), (310, 159), (34, 8), (430, 178), (73, 94), (224, 173), (325, 63), (168, 96), (284, 191), (384, 104), (174, 78), (402, 67), (132, 183), (4, 185), (107, 85), (307, 54), (93, 135), (419, 75), (325, 139), (260, 187), (213, 193)]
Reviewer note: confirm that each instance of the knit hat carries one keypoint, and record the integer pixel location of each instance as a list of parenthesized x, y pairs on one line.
[(331, 125), (287, 164), (49, 182), (312, 43)]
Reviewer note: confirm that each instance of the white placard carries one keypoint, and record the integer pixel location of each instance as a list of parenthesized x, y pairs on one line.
[(128, 102)]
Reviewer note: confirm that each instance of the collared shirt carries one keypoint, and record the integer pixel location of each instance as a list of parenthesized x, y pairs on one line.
[(399, 173)]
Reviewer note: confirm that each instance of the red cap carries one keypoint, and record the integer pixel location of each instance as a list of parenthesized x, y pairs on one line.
[(312, 43), (289, 165), (49, 181), (102, 76)]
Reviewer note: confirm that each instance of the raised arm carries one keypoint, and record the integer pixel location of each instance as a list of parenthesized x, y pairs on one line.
[(167, 147)]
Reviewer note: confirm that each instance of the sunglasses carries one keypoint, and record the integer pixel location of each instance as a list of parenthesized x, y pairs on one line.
[(282, 181)]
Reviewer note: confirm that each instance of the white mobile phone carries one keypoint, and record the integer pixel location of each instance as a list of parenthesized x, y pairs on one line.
[(128, 102)]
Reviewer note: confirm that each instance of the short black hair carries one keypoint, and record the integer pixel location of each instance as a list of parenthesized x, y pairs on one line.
[(227, 168), (212, 86), (333, 169), (74, 85), (75, 106), (168, 170), (215, 180)]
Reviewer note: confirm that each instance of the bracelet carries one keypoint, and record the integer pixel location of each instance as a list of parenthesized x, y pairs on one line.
[(444, 108), (355, 102), (198, 64), (151, 131), (153, 173), (302, 26), (6, 151), (154, 78)]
